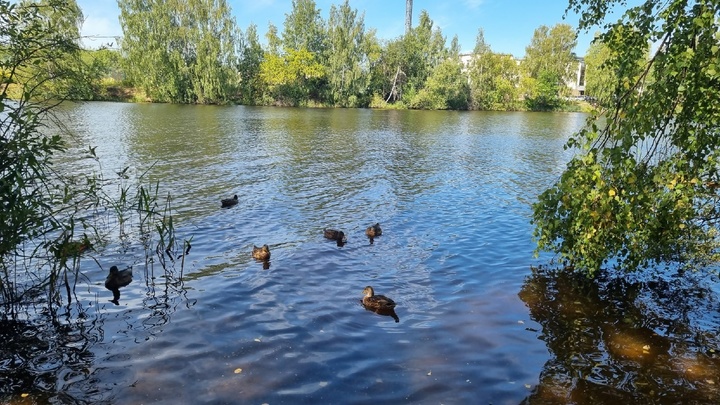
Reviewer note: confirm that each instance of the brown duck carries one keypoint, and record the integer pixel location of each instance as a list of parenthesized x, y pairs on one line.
[(261, 253), (335, 235), (370, 300), (373, 231)]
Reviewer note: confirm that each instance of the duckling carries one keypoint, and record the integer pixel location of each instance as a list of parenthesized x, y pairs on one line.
[(370, 300), (261, 253), (373, 231), (229, 202)]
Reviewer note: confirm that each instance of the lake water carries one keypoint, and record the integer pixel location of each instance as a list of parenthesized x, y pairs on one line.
[(452, 192)]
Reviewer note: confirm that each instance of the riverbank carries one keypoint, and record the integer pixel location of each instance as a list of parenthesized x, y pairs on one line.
[(119, 93)]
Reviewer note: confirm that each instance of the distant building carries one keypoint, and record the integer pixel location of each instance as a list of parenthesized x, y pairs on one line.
[(577, 85)]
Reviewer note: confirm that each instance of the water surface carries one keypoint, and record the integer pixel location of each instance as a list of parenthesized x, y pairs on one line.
[(452, 192)]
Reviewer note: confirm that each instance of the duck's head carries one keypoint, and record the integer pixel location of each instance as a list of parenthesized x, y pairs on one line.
[(368, 291), (114, 270)]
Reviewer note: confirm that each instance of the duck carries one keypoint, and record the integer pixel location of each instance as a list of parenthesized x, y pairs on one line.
[(229, 202), (117, 278), (335, 235), (261, 253), (381, 302), (373, 231)]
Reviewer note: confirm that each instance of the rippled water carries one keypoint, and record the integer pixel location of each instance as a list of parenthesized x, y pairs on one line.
[(451, 191)]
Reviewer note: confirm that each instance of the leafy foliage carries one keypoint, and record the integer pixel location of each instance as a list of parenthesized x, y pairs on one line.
[(305, 29), (180, 51), (644, 190), (33, 63), (549, 64), (446, 88), (347, 78), (599, 73), (288, 76), (250, 58), (494, 78), (47, 213)]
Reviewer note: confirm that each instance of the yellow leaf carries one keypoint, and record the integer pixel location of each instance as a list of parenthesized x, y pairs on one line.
[(24, 395), (611, 193), (238, 371)]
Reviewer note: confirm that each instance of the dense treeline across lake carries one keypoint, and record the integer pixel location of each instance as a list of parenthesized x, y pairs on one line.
[(195, 53)]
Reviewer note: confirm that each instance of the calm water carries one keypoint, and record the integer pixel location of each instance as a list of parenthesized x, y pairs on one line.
[(452, 193)]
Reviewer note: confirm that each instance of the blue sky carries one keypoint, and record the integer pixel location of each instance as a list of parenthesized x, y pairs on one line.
[(508, 24)]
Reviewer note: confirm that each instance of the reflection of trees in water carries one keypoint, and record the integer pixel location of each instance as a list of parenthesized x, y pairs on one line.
[(625, 341)]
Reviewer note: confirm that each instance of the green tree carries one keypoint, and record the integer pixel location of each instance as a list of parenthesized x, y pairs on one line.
[(180, 51), (546, 90), (599, 72), (293, 69), (424, 49), (304, 28), (446, 88), (103, 71), (494, 78), (407, 62), (249, 61), (346, 76), (63, 74), (47, 213), (287, 76), (643, 189), (274, 42), (549, 56), (29, 42), (599, 78)]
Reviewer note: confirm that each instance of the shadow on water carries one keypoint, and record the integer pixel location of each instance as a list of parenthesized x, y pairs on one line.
[(624, 340), (41, 358)]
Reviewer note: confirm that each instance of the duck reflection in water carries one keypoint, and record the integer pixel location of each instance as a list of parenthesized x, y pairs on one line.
[(379, 304), (262, 254), (373, 231), (117, 279), (338, 236)]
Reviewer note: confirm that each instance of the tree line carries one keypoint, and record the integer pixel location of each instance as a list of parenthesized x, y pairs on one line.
[(191, 51)]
